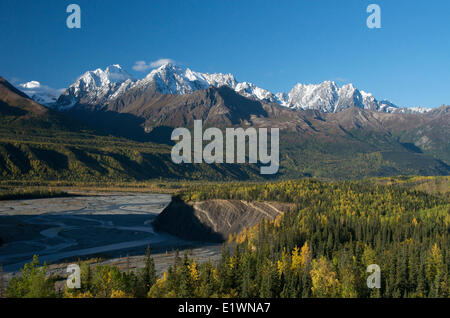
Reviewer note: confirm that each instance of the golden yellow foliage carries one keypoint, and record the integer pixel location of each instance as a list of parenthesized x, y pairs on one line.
[(78, 295), (305, 255), (193, 270), (296, 259), (324, 280), (118, 294)]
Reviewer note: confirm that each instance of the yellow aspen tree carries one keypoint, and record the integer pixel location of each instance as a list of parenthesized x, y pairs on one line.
[(295, 260), (193, 270), (305, 255), (435, 263), (324, 279), (283, 264)]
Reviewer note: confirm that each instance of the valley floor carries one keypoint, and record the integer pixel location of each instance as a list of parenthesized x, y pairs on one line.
[(109, 225), (319, 247)]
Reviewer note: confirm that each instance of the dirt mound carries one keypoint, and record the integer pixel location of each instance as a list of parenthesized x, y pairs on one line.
[(214, 220)]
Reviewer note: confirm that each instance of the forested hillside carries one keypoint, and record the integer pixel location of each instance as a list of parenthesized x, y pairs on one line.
[(321, 248), (86, 157), (133, 143)]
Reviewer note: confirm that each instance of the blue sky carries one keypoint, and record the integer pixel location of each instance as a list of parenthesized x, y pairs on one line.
[(274, 44)]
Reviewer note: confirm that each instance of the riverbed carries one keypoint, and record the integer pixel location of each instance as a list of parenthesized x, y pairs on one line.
[(72, 228)]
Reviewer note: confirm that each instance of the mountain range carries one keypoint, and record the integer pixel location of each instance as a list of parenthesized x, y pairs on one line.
[(111, 126), (100, 87)]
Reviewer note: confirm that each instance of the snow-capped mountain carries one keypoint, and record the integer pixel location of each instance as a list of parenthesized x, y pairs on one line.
[(323, 96), (172, 79), (40, 93), (101, 86), (412, 110), (97, 87), (329, 97), (250, 90)]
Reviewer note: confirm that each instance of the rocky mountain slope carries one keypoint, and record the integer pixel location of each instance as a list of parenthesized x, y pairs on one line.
[(96, 87), (18, 110), (15, 102), (351, 143), (39, 144), (99, 87)]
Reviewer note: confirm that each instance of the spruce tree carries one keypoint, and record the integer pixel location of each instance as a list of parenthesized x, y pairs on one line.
[(149, 273)]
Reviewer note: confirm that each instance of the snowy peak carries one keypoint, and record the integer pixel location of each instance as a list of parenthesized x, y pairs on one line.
[(96, 87), (329, 97), (349, 96), (115, 74), (219, 79), (321, 96), (99, 87), (252, 91), (412, 110), (369, 101), (172, 79), (98, 78)]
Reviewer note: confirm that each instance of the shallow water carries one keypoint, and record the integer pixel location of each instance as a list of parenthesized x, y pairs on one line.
[(60, 229)]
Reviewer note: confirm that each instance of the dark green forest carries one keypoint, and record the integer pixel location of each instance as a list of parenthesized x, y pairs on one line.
[(29, 152), (321, 248)]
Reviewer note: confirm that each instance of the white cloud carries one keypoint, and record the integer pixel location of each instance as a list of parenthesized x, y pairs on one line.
[(142, 66), (161, 62), (41, 93), (31, 84)]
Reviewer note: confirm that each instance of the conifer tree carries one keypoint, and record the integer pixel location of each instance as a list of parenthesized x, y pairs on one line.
[(149, 271)]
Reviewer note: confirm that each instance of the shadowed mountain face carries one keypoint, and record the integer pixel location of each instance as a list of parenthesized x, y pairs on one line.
[(38, 144), (19, 111), (352, 143), (215, 106), (101, 87), (223, 107), (15, 103), (147, 110), (312, 142)]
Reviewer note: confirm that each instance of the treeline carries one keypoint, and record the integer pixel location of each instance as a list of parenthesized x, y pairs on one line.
[(429, 184), (321, 248), (101, 281), (23, 194), (122, 162), (37, 154)]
